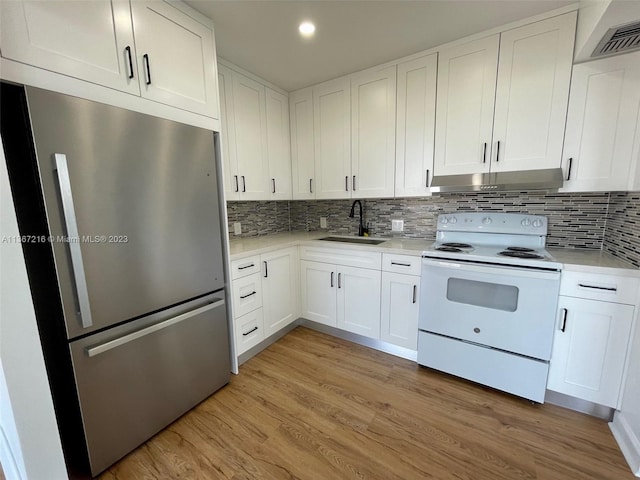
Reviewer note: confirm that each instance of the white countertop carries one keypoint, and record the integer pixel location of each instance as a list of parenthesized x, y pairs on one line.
[(594, 261)]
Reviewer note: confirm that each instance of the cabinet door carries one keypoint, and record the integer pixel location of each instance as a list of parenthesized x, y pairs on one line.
[(280, 289), (465, 99), (532, 94), (89, 40), (227, 134), (399, 309), (302, 152), (359, 301), (589, 355), (603, 111), (373, 133), (250, 127), (176, 58), (332, 138), (416, 112), (318, 292), (278, 150)]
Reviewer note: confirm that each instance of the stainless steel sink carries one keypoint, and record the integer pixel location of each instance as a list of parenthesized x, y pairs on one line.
[(362, 240)]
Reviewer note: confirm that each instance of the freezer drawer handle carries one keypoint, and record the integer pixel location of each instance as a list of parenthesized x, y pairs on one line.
[(111, 344), (247, 295), (74, 245), (608, 289)]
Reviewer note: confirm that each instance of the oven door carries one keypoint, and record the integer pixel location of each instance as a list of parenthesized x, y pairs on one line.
[(508, 308)]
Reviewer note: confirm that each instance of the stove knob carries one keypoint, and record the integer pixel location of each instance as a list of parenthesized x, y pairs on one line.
[(537, 223), (444, 220), (453, 220), (526, 222), (487, 220)]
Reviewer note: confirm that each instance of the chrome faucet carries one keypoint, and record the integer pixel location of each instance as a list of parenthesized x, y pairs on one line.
[(361, 229)]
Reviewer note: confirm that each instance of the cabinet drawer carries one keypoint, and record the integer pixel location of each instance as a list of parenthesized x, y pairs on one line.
[(247, 294), (246, 266), (249, 330), (401, 264), (610, 288), (350, 258)]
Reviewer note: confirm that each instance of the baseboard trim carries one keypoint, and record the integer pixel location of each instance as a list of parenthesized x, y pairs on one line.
[(627, 441), (361, 340), (579, 405)]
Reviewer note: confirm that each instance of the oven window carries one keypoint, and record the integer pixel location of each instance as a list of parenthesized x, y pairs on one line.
[(483, 294)]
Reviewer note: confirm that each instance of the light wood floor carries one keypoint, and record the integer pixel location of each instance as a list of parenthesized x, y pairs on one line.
[(315, 407)]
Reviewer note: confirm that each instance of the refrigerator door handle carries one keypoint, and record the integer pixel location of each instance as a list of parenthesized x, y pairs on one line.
[(111, 344), (71, 224)]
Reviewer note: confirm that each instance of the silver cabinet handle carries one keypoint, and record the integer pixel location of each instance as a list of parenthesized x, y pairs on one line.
[(595, 287), (111, 344), (564, 319), (71, 224), (415, 293)]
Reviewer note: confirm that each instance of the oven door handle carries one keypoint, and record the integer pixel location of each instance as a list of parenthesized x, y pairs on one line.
[(497, 269)]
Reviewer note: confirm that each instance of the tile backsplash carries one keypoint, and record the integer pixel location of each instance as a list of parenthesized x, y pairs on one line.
[(609, 221)]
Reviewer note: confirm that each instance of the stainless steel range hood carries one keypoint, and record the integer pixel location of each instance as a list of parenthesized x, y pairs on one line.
[(547, 179)]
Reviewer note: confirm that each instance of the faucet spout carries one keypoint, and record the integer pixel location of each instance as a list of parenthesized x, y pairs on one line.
[(361, 230)]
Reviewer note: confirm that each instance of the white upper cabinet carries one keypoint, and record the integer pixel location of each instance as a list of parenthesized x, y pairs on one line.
[(227, 134), (534, 72), (529, 85), (416, 113), (601, 124), (464, 114), (373, 133), (175, 57), (332, 138), (278, 145), (302, 151), (102, 51)]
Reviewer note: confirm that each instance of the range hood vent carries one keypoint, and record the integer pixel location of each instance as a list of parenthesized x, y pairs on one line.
[(547, 179), (619, 40)]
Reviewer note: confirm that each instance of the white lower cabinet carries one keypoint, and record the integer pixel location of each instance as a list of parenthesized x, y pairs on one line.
[(266, 300), (399, 309), (317, 284), (591, 341)]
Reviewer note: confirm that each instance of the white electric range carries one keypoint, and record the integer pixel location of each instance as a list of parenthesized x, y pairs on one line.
[(489, 295)]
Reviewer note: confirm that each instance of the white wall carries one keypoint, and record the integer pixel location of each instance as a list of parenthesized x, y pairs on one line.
[(626, 421), (30, 447)]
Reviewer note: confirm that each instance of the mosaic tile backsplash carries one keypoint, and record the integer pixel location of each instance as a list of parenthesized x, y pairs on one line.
[(585, 220)]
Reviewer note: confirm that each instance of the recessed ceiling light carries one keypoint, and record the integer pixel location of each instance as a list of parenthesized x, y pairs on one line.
[(307, 29)]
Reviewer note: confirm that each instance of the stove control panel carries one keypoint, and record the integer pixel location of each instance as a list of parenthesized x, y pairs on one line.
[(494, 222)]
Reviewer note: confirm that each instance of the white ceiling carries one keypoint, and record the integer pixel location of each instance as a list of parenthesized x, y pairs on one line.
[(262, 36)]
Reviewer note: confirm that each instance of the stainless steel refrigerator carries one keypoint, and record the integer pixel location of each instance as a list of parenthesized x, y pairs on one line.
[(120, 224)]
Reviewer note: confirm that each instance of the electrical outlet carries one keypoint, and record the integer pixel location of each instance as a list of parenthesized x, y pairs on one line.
[(323, 222), (237, 228), (397, 225)]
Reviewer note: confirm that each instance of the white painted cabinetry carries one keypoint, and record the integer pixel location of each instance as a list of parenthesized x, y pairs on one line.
[(255, 138), (302, 147), (264, 293), (332, 138), (341, 288), (415, 128), (595, 315), (373, 133), (400, 300), (528, 82), (602, 121), (148, 48)]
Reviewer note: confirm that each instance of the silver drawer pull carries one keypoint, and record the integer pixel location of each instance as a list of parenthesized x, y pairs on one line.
[(247, 295), (401, 264), (250, 331), (608, 289), (71, 225), (247, 266), (111, 344)]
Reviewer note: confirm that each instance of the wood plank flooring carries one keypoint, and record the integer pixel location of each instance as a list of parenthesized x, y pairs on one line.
[(312, 406)]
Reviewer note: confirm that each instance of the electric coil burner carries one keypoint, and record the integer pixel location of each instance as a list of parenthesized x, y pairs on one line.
[(488, 301)]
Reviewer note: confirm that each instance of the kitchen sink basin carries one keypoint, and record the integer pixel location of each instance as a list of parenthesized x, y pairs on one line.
[(362, 240)]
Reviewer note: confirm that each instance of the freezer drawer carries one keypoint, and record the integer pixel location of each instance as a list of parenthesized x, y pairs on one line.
[(135, 379)]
